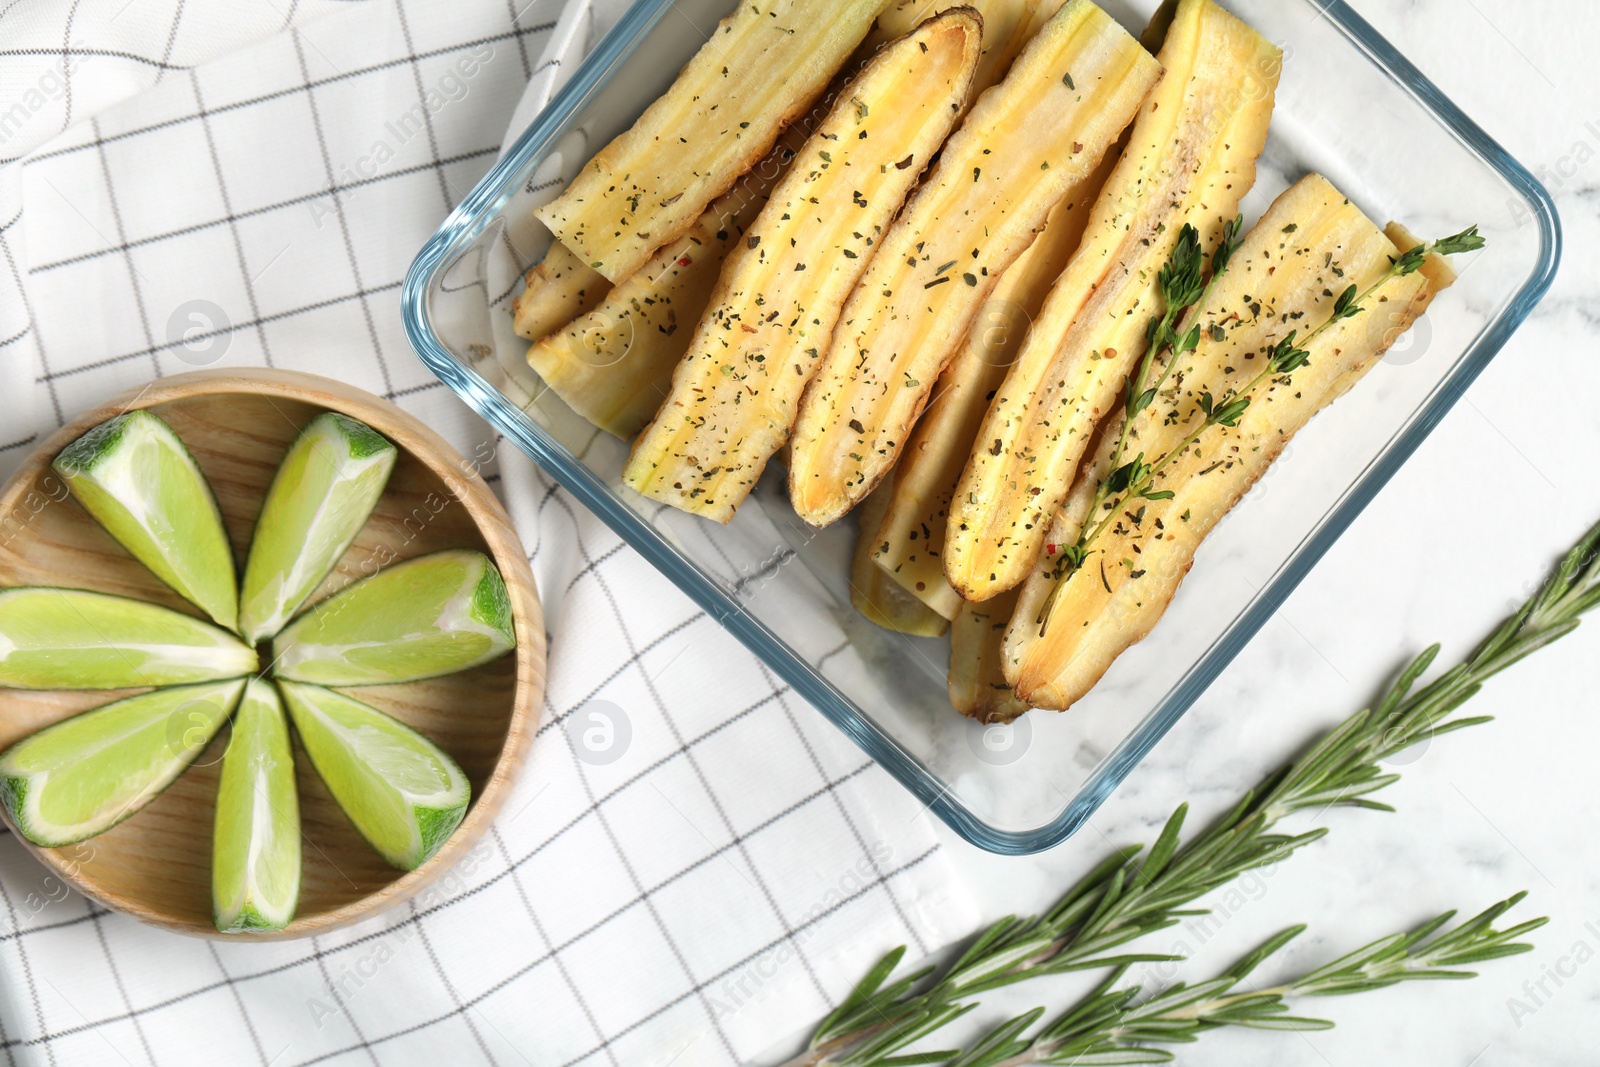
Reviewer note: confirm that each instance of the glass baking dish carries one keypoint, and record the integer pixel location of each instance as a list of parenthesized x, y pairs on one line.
[(1349, 106)]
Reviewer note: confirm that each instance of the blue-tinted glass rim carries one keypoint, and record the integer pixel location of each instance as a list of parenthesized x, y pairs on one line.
[(490, 195)]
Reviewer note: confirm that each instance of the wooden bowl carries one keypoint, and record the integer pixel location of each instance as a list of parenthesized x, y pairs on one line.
[(156, 866)]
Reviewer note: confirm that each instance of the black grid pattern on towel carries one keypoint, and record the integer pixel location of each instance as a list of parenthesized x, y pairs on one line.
[(390, 369)]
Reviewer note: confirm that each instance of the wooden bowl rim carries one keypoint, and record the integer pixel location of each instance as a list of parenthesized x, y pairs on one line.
[(465, 484)]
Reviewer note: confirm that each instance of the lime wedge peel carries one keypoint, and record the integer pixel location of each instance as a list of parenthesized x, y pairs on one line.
[(400, 790), (438, 614), (85, 774), (325, 488), (255, 846), (433, 615), (137, 479), (74, 639)]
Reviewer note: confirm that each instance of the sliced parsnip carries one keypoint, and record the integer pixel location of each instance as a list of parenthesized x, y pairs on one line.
[(1313, 194), (875, 594), (1191, 156), (762, 67), (1069, 625), (978, 686), (614, 364), (734, 395), (980, 634), (1025, 143), (556, 290), (1441, 276), (909, 542), (1007, 27)]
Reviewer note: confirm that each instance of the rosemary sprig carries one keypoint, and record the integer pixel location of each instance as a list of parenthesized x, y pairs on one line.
[(1114, 1026), (1127, 897), (1135, 479)]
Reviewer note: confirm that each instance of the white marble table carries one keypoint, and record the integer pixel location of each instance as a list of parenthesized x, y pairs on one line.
[(1503, 485)]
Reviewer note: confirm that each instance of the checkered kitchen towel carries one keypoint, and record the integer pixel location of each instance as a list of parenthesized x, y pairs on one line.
[(252, 199)]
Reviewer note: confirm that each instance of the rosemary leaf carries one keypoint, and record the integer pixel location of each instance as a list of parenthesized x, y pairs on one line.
[(1113, 1025)]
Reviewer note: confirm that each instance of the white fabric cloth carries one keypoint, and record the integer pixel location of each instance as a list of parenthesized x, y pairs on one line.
[(711, 889)]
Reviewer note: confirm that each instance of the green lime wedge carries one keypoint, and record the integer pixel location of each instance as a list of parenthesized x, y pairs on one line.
[(432, 615), (85, 774), (74, 639), (400, 790), (327, 485), (255, 842), (139, 482)]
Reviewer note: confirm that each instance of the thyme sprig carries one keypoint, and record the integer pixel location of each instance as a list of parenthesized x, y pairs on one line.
[(1114, 1026), (1138, 891), (1135, 479), (1183, 294)]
